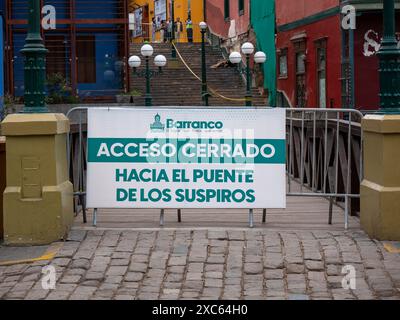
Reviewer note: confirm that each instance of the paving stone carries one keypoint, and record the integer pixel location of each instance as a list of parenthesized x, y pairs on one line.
[(177, 261), (194, 276), (71, 279), (138, 267), (214, 274), (134, 276), (83, 293), (90, 283), (116, 270), (119, 262), (62, 262), (332, 270), (273, 274), (36, 294), (292, 296), (94, 276), (31, 277), (273, 261), (253, 268), (80, 264), (124, 297), (214, 268), (313, 265), (215, 259), (294, 268), (213, 283), (113, 279), (58, 295)]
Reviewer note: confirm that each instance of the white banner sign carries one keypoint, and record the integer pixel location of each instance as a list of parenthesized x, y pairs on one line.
[(186, 158)]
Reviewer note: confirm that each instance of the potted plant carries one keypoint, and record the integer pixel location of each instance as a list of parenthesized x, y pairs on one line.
[(128, 97), (58, 90)]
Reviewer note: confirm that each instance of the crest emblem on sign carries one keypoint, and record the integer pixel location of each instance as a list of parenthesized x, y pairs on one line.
[(157, 125)]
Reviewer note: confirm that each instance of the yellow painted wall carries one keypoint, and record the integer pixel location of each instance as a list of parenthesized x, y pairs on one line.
[(181, 8)]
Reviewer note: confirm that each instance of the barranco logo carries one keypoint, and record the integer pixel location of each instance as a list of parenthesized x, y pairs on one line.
[(194, 124), (158, 126)]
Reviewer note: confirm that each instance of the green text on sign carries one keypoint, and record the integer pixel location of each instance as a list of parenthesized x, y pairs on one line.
[(142, 150)]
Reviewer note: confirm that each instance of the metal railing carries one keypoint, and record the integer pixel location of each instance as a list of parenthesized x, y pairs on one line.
[(324, 155), (324, 158)]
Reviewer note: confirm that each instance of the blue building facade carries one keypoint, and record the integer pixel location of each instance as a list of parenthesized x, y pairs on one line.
[(88, 46)]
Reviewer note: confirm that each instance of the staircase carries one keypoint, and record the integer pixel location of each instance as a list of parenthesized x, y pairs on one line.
[(177, 86)]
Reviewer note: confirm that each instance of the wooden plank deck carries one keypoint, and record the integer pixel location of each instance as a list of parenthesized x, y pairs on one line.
[(302, 213)]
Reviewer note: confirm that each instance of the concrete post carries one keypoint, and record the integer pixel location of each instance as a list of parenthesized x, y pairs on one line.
[(380, 189), (38, 199)]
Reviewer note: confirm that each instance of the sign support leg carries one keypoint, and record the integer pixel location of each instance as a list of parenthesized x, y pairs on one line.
[(251, 218), (346, 212), (179, 215), (94, 217), (162, 217), (264, 218), (330, 210)]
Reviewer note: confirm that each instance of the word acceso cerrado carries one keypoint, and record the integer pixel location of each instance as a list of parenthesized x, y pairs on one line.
[(186, 151)]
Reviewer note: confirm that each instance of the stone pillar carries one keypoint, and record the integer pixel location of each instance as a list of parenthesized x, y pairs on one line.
[(380, 189), (38, 199)]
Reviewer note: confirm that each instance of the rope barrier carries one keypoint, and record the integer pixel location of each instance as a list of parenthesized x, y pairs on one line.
[(213, 91)]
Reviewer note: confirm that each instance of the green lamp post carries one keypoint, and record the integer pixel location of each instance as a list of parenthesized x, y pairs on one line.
[(134, 62), (173, 50), (204, 88), (35, 63), (236, 58), (389, 62)]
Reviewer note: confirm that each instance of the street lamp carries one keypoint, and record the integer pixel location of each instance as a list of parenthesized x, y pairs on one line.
[(35, 63), (389, 62), (236, 58), (204, 90), (134, 62), (173, 50)]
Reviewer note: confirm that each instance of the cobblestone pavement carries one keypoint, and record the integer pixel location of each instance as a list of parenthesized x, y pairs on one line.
[(213, 264)]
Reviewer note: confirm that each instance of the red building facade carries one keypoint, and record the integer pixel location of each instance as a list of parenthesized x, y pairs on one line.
[(367, 39), (228, 20), (319, 64), (308, 53)]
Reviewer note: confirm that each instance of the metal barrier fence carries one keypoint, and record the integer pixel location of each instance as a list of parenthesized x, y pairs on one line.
[(324, 158), (324, 155)]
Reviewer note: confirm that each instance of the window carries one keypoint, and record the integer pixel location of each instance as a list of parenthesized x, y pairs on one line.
[(86, 54), (321, 73), (241, 7), (300, 64), (56, 59), (227, 10), (283, 67)]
